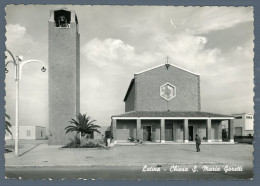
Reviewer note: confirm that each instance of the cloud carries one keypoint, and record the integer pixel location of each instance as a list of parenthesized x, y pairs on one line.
[(112, 51), (15, 31), (227, 87), (182, 48), (220, 18), (186, 50), (106, 51), (19, 42), (17, 39)]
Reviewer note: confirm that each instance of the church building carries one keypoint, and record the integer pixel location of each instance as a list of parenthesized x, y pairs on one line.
[(163, 104)]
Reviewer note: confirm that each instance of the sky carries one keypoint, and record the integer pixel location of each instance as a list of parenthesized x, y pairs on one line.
[(118, 41)]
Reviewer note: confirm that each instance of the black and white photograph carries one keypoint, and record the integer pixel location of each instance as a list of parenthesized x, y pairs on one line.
[(129, 92)]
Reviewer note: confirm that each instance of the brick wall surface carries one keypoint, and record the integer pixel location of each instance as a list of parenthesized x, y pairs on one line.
[(125, 129), (130, 101), (147, 93), (179, 132), (199, 127)]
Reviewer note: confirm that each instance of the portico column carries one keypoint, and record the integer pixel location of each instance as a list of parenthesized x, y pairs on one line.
[(231, 130), (220, 131), (114, 129), (186, 131), (138, 129), (162, 130), (209, 130)]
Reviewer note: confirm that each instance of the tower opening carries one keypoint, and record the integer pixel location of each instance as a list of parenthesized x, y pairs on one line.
[(62, 18)]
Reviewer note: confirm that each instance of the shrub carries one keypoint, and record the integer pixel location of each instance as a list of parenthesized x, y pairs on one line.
[(75, 143), (83, 125), (244, 139), (8, 150), (135, 140), (90, 145)]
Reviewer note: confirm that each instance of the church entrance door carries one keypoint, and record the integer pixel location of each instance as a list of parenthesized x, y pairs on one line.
[(147, 131), (190, 133)]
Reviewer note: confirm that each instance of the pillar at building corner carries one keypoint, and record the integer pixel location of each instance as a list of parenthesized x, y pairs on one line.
[(186, 131), (162, 131), (231, 130), (138, 129), (114, 129), (209, 130)]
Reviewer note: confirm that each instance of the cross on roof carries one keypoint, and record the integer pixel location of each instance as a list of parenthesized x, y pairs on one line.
[(167, 64)]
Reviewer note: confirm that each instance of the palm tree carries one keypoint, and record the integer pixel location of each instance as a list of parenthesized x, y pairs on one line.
[(82, 125), (8, 124)]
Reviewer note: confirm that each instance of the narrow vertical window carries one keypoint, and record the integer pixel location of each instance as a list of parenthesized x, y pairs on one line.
[(28, 133)]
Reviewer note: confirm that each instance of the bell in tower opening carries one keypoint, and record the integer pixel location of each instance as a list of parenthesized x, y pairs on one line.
[(62, 22)]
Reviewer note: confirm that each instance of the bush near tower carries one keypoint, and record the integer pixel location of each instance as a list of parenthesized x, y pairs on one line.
[(84, 127)]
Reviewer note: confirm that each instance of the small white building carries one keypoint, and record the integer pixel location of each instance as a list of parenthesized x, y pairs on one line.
[(28, 132), (244, 124)]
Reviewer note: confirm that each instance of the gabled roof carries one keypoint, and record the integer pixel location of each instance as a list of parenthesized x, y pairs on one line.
[(244, 114), (170, 65), (159, 114), (129, 88)]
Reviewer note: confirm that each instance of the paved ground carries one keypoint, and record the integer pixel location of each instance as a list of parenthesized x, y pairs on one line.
[(43, 155), (24, 145), (40, 161)]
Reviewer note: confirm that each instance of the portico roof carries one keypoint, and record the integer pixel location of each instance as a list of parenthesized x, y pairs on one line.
[(171, 114)]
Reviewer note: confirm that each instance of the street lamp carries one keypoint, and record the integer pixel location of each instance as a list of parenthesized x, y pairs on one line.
[(18, 64)]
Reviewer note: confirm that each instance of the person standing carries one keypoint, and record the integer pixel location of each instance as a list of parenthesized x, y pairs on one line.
[(198, 142)]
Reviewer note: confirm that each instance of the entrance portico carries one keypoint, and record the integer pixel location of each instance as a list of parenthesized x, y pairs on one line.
[(167, 126)]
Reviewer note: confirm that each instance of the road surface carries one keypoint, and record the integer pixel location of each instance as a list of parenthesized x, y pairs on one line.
[(119, 173)]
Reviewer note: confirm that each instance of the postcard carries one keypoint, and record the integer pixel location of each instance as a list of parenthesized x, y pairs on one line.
[(129, 92)]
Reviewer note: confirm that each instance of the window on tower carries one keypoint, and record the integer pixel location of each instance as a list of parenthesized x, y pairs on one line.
[(62, 18)]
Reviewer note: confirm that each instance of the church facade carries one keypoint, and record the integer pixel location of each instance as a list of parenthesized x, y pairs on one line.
[(163, 104)]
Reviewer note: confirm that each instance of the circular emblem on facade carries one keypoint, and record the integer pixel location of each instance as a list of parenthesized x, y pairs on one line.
[(167, 91)]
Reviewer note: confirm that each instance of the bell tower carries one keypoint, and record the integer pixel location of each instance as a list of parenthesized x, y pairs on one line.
[(64, 73)]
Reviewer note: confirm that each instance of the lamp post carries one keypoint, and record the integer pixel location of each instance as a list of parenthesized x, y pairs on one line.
[(18, 65)]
